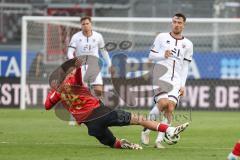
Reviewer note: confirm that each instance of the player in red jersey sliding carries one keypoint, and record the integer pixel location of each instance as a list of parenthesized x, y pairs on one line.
[(89, 110)]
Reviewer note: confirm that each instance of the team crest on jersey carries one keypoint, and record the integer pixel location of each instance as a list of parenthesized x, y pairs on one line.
[(94, 40), (80, 40), (183, 46), (168, 42)]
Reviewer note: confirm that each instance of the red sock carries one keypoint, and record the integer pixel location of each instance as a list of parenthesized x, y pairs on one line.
[(117, 144), (236, 149), (162, 127)]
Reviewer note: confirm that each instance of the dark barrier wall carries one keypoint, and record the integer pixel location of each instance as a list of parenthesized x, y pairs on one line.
[(212, 94), (200, 94)]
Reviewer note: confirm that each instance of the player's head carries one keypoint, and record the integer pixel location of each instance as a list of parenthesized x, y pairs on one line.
[(86, 24), (178, 23)]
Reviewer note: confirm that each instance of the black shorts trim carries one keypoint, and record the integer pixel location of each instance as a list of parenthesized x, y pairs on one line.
[(154, 98), (173, 97), (185, 59), (153, 51), (71, 47)]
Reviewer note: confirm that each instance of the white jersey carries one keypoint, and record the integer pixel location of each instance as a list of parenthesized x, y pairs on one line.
[(87, 45), (182, 49), (80, 45)]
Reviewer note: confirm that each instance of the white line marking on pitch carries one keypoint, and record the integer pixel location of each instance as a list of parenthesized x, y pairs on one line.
[(4, 142)]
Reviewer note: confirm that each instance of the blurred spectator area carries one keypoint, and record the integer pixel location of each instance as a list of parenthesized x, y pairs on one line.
[(11, 11)]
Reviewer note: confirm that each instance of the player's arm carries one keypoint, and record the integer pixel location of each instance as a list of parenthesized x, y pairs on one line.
[(186, 61), (103, 51), (106, 56), (52, 98), (72, 48), (156, 52)]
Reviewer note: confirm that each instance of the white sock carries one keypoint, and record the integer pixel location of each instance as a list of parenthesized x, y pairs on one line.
[(231, 156), (72, 118), (153, 115), (160, 137)]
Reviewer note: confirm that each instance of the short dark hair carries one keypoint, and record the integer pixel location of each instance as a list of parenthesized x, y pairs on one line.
[(181, 15), (85, 18)]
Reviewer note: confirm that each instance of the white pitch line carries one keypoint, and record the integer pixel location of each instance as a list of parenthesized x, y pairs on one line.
[(4, 142)]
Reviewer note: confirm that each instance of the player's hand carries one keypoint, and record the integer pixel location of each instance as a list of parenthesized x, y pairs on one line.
[(182, 91), (168, 53), (54, 84)]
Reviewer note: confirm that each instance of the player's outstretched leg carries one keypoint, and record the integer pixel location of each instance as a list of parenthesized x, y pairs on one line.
[(137, 119), (106, 137), (98, 128), (235, 154)]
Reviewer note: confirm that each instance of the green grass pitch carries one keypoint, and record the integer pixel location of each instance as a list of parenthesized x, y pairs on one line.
[(40, 135)]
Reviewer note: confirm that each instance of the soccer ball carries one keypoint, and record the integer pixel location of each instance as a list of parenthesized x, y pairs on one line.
[(171, 140)]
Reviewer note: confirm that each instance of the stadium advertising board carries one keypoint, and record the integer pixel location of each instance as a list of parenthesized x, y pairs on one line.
[(10, 64), (214, 93), (201, 94), (10, 93), (210, 94)]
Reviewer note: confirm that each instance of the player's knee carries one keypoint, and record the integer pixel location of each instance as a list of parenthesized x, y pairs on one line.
[(238, 141), (162, 104), (171, 107), (93, 133), (101, 138)]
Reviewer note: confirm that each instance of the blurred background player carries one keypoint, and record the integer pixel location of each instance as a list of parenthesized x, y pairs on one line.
[(37, 69), (174, 51), (88, 43), (235, 154), (87, 109)]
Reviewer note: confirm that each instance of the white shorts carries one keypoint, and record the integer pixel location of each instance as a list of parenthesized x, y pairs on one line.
[(172, 95), (92, 77), (168, 86)]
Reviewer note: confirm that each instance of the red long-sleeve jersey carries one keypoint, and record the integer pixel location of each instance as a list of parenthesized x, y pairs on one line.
[(75, 97)]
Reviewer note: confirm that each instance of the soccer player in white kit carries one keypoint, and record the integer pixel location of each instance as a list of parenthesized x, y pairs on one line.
[(174, 51), (88, 43)]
